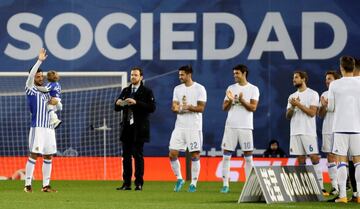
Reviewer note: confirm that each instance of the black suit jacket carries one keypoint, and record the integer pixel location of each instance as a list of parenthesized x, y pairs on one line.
[(145, 104)]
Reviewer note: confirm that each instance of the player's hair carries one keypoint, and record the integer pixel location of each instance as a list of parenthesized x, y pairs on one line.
[(347, 63), (138, 69), (187, 68), (50, 76), (335, 74), (357, 64), (302, 74), (242, 68)]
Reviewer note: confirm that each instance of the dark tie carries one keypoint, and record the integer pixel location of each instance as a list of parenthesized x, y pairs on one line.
[(130, 113), (133, 90)]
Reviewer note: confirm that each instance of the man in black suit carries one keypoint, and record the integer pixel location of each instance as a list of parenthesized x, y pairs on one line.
[(137, 102)]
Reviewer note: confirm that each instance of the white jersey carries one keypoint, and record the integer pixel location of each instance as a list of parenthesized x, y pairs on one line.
[(191, 95), (302, 124), (328, 119), (344, 101), (238, 116)]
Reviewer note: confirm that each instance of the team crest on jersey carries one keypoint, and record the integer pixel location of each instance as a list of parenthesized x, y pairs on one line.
[(37, 149)]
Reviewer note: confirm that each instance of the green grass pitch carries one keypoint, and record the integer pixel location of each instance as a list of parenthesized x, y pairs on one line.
[(156, 195)]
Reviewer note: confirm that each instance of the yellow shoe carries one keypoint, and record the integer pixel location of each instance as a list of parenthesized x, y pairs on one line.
[(341, 200), (358, 199)]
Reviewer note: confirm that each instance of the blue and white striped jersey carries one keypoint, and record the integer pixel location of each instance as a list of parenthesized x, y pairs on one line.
[(37, 101), (54, 89)]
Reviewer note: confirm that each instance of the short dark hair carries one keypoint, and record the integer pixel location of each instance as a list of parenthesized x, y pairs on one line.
[(333, 73), (138, 69), (242, 68), (357, 64), (303, 75), (347, 63), (39, 70), (187, 68)]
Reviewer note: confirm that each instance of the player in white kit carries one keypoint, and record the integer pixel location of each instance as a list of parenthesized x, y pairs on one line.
[(343, 99), (240, 102), (188, 103), (327, 135), (42, 140), (301, 111)]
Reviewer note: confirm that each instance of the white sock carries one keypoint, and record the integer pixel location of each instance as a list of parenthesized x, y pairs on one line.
[(341, 178), (357, 178), (195, 170), (319, 174), (248, 165), (175, 166), (46, 170), (29, 171), (332, 174), (226, 169)]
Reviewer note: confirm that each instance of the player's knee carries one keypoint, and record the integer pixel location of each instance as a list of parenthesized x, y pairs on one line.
[(301, 160), (48, 157), (195, 155), (356, 159), (33, 156), (315, 159), (173, 155)]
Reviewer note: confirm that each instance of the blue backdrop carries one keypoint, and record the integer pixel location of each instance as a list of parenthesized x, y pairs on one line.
[(273, 38)]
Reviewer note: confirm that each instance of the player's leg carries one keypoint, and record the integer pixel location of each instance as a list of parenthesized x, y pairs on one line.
[(194, 145), (48, 151), (247, 146), (340, 148), (195, 170), (355, 151), (296, 149), (352, 179), (29, 171), (356, 160), (177, 143), (228, 145), (310, 146), (35, 146), (327, 141)]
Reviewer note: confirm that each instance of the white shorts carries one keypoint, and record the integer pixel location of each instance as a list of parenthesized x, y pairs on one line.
[(303, 145), (327, 143), (42, 141), (233, 136), (345, 144), (186, 138)]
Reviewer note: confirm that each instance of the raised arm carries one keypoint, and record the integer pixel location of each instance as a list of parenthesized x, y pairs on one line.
[(30, 80)]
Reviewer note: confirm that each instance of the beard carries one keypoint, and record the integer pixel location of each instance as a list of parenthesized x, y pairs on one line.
[(298, 85)]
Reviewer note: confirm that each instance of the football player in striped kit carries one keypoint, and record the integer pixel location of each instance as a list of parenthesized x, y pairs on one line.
[(42, 140)]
